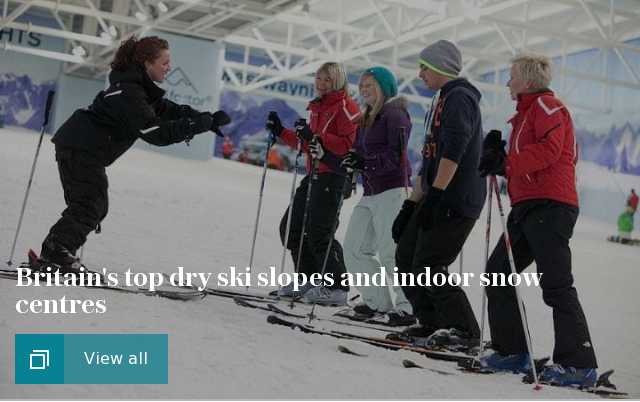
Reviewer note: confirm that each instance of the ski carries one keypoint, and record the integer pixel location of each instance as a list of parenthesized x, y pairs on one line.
[(278, 310), (410, 364), (242, 302), (622, 240), (347, 351), (406, 362), (380, 342), (603, 387), (254, 297), (174, 294), (249, 303), (472, 365)]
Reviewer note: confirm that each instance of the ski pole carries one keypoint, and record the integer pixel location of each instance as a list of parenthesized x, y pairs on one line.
[(305, 217), (403, 154), (345, 186), (523, 317), (290, 212), (354, 176), (47, 109), (486, 261), (264, 176)]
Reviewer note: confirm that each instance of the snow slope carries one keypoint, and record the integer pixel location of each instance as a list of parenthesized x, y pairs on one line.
[(167, 212)]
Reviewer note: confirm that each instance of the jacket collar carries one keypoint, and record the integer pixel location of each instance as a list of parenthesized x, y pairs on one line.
[(327, 99), (525, 100), (136, 74)]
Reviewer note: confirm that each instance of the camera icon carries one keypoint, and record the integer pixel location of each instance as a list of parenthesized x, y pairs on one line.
[(44, 354)]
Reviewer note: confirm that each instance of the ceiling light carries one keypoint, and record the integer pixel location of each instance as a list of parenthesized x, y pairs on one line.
[(113, 31), (162, 7), (105, 36), (79, 51), (139, 15)]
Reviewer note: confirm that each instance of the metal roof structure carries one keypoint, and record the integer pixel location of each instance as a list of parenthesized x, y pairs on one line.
[(296, 36)]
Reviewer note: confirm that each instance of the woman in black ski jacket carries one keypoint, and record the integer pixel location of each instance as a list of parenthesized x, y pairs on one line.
[(92, 138)]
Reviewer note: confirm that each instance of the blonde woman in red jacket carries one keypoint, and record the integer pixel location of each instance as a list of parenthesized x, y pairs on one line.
[(541, 173), (332, 126)]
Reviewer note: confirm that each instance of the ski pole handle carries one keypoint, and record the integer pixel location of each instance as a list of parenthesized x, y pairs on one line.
[(403, 156), (354, 175), (47, 107), (401, 143)]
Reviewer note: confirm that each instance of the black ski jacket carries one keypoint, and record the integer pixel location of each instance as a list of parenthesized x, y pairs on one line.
[(132, 107)]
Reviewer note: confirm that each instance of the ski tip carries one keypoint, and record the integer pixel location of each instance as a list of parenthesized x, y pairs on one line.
[(409, 364), (272, 319), (344, 349)]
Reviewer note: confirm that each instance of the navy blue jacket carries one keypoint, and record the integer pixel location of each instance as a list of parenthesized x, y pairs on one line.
[(456, 134)]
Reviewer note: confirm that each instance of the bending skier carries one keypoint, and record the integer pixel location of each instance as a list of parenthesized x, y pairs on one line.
[(92, 138)]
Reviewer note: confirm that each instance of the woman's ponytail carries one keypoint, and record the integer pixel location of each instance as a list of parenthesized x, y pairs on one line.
[(137, 51)]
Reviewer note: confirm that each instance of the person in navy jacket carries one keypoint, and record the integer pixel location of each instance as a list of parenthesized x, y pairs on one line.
[(446, 202)]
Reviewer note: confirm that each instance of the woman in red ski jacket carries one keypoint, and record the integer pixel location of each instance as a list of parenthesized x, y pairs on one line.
[(332, 126), (541, 173)]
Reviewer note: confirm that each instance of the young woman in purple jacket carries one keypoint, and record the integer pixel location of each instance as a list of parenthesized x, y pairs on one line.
[(378, 155)]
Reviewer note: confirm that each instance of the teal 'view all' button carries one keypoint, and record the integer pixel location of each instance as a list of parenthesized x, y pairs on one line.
[(92, 359), (116, 359)]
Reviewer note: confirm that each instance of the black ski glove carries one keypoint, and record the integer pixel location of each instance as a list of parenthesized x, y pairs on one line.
[(197, 125), (494, 140), (273, 124), (352, 160), (303, 131), (401, 221), (315, 147), (219, 119), (429, 207), (492, 162)]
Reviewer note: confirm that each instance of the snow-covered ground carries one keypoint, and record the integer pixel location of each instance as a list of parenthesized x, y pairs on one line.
[(167, 212)]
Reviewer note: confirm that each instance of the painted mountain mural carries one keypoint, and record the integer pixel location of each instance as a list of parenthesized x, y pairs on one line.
[(618, 150), (22, 101)]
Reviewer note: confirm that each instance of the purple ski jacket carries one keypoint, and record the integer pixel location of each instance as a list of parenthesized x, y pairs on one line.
[(384, 168)]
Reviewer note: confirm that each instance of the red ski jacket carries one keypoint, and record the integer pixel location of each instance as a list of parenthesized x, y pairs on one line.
[(543, 151), (334, 118)]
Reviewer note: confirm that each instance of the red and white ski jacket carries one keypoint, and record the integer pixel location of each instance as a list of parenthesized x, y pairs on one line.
[(543, 151), (334, 118)]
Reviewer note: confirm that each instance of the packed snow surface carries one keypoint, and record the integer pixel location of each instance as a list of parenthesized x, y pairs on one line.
[(167, 212)]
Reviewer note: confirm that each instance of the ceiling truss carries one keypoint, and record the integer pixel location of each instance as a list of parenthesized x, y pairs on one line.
[(291, 38)]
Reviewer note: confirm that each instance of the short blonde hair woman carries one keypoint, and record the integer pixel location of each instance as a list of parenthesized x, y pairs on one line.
[(541, 173)]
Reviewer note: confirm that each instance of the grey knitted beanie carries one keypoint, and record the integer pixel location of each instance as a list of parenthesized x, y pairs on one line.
[(443, 57)]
